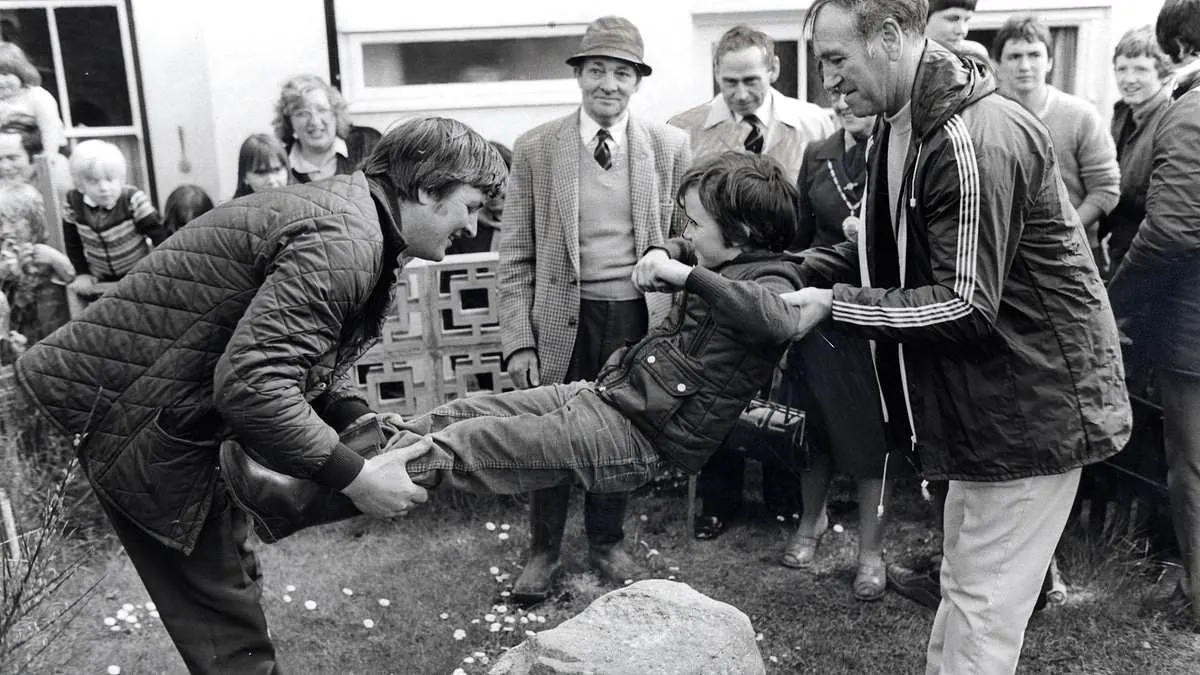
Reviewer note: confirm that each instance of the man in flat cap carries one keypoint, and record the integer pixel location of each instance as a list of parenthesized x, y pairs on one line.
[(588, 193)]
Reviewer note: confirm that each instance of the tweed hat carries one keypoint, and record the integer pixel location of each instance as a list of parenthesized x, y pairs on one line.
[(615, 37)]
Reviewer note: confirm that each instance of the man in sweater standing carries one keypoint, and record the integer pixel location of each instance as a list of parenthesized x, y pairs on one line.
[(1087, 156), (588, 193)]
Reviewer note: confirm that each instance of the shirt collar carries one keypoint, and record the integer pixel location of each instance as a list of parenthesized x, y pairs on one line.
[(1183, 73), (901, 122), (92, 203), (588, 128), (301, 165), (719, 111)]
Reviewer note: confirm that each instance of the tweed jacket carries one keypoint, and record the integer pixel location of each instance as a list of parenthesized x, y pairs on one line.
[(539, 243), (795, 124)]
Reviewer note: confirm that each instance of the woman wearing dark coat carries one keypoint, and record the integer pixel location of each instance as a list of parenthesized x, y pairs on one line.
[(829, 374)]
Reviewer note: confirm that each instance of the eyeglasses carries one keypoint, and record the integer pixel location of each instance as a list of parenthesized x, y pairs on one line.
[(306, 114)]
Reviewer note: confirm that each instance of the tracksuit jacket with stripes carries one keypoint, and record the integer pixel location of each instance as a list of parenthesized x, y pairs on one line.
[(995, 343)]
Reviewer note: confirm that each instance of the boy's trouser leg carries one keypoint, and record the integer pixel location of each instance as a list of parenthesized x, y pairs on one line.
[(208, 601), (999, 539), (721, 484), (527, 440), (1181, 443)]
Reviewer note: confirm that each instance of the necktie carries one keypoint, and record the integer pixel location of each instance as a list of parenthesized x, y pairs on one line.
[(602, 154), (754, 140)]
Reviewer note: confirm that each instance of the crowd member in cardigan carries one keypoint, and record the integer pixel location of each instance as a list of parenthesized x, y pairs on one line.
[(829, 375), (996, 350), (108, 226), (1087, 157), (749, 114), (312, 120), (588, 194), (244, 327), (1154, 289), (1142, 71)]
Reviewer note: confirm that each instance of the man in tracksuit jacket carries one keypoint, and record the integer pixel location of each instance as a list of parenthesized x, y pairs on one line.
[(995, 345)]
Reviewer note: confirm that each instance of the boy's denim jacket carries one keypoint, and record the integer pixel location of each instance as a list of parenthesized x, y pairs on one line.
[(686, 382)]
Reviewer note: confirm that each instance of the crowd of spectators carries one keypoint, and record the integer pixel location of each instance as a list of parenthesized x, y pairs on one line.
[(1085, 204)]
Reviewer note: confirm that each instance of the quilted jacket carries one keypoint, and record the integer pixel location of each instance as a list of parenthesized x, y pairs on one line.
[(1009, 357), (538, 284), (242, 324), (686, 382)]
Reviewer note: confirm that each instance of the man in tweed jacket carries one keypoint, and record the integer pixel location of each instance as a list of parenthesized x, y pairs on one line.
[(588, 193)]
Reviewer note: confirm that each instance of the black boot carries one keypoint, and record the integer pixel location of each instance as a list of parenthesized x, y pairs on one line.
[(604, 521), (280, 505), (547, 519)]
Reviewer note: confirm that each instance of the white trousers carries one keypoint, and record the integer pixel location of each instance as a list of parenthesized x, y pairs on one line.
[(998, 543)]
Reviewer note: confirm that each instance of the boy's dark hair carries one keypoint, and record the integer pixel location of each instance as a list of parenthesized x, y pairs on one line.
[(750, 196), (936, 6), (1178, 28), (1022, 28), (435, 154), (185, 204)]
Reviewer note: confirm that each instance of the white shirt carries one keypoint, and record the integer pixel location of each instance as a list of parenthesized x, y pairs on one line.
[(588, 128), (299, 164)]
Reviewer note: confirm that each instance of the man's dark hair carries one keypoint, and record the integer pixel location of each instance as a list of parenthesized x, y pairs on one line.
[(750, 196), (1022, 28), (870, 15), (435, 154), (1178, 29), (743, 37), (936, 6)]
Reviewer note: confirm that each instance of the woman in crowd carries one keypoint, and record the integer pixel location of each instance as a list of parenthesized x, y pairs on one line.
[(33, 275), (262, 164), (830, 375), (312, 121), (21, 93), (1142, 72)]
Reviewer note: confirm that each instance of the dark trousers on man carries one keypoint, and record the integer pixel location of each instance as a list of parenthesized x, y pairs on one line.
[(209, 601), (604, 327)]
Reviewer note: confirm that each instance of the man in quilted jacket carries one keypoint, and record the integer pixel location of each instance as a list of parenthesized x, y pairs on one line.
[(244, 325)]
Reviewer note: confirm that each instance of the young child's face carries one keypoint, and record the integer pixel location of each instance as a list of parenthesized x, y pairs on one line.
[(102, 187), (949, 26), (14, 161), (705, 234), (265, 177)]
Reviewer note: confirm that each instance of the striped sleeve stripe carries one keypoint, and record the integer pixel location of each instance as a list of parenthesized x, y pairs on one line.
[(966, 255), (140, 204)]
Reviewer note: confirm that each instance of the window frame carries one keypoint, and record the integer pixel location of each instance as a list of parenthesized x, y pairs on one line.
[(137, 128), (452, 95)]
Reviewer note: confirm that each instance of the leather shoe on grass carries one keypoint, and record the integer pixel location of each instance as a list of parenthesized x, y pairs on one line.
[(537, 580), (870, 582), (615, 566), (921, 587), (708, 527)]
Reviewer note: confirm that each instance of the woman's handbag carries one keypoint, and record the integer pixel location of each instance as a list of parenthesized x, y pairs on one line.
[(769, 429)]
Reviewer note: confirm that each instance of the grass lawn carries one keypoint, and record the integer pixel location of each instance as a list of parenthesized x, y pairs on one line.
[(443, 570)]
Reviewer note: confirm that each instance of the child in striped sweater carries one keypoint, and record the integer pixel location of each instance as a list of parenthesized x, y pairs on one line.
[(108, 226)]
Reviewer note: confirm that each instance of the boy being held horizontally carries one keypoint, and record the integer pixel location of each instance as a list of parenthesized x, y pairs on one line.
[(673, 396), (105, 222)]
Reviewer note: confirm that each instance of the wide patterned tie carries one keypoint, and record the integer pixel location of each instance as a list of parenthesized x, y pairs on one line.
[(602, 154), (754, 140)]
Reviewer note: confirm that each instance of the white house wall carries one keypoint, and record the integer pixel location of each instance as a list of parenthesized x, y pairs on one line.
[(215, 68)]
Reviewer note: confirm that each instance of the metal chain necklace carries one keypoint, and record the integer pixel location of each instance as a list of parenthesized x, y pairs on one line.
[(852, 223)]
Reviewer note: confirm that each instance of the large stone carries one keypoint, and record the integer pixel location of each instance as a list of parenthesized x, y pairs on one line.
[(653, 627)]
